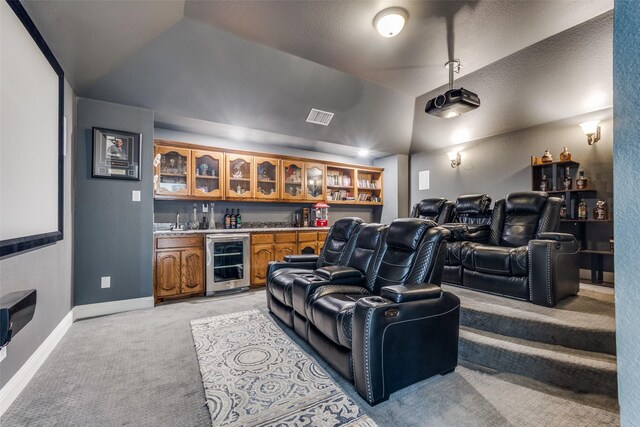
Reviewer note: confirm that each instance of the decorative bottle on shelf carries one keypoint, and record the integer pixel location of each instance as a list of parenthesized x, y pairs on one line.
[(565, 155), (601, 211), (582, 182), (238, 219), (227, 219), (194, 224), (233, 218), (567, 181), (563, 208), (212, 218), (582, 210), (544, 184)]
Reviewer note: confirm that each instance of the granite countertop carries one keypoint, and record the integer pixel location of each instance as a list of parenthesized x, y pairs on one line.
[(237, 230)]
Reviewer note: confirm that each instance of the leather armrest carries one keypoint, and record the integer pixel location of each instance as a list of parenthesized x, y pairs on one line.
[(337, 272), (468, 232), (413, 292), (558, 237), (301, 258)]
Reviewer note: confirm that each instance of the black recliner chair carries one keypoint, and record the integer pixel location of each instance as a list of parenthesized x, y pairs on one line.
[(382, 321), (280, 274), (437, 209), (523, 256)]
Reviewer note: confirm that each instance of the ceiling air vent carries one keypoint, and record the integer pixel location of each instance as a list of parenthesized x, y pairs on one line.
[(319, 117)]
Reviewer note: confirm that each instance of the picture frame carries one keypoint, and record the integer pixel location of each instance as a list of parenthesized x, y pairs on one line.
[(116, 154)]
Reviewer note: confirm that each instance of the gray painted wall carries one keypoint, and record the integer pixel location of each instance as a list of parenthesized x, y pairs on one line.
[(113, 235), (396, 190), (626, 53), (47, 269)]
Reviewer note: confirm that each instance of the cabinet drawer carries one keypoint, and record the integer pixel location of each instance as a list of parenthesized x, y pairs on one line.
[(286, 237), (310, 236), (322, 236), (179, 242), (261, 238)]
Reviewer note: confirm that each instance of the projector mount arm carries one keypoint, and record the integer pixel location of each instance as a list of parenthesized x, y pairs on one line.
[(453, 65)]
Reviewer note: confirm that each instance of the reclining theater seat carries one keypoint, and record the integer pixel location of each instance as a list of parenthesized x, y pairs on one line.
[(438, 210), (280, 274), (391, 326), (472, 218), (523, 256)]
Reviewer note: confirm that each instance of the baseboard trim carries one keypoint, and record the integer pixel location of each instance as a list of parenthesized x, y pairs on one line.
[(19, 381), (103, 308)]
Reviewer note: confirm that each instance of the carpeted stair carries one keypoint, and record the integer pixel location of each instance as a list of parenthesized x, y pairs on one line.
[(570, 346)]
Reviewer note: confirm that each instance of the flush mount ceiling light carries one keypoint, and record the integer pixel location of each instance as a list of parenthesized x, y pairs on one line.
[(389, 22), (592, 130), (363, 152)]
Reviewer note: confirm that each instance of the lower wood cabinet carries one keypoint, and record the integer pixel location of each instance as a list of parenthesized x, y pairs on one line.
[(179, 267), (261, 255)]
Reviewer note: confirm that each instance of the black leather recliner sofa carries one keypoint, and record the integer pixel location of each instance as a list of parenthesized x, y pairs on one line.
[(379, 317), (437, 209), (519, 254)]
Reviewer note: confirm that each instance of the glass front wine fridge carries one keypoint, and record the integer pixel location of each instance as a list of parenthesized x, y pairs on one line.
[(227, 262)]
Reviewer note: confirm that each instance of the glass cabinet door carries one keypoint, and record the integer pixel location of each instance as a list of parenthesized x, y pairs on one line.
[(207, 174), (292, 180), (239, 183), (315, 181), (171, 167), (266, 174)]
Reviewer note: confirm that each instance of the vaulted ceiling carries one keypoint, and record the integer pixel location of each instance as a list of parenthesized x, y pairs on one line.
[(261, 65)]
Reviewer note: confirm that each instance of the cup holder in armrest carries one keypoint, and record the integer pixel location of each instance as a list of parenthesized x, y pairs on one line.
[(377, 300)]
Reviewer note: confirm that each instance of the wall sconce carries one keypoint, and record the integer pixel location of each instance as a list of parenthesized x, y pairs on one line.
[(455, 158), (592, 130)]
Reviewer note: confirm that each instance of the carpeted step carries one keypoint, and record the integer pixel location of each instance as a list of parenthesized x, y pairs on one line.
[(577, 370), (585, 322)]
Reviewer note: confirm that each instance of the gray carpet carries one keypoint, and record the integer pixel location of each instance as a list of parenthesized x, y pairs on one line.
[(140, 368)]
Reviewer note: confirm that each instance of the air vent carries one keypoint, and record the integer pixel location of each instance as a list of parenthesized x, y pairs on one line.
[(319, 117)]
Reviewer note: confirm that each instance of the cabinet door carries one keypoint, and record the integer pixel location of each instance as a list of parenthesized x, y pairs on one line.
[(207, 174), (261, 255), (292, 180), (192, 271), (321, 238), (267, 177), (168, 273), (306, 248), (172, 175), (240, 182), (314, 182), (284, 249)]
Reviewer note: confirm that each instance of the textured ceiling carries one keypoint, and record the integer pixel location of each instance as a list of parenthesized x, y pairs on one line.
[(261, 65), (340, 34)]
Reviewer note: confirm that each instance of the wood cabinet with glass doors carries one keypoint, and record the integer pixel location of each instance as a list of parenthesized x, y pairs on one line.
[(240, 181), (207, 174), (292, 180), (267, 178), (171, 171), (340, 184), (314, 182)]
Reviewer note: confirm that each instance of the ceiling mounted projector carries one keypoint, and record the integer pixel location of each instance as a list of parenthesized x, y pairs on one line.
[(454, 101)]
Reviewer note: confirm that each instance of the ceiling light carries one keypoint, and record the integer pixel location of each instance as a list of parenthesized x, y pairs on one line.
[(592, 130), (363, 152), (390, 22)]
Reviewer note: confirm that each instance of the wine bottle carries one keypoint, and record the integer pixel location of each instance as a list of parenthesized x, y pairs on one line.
[(227, 219), (582, 210), (233, 218), (238, 220), (567, 181)]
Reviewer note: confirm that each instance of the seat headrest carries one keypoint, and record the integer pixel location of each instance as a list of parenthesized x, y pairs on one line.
[(473, 204), (406, 233), (525, 202), (370, 235), (431, 206), (344, 227)]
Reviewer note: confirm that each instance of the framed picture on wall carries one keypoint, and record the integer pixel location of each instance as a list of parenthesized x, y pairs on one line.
[(116, 154)]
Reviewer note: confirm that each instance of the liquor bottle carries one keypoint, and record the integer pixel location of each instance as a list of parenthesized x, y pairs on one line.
[(567, 181), (238, 219), (563, 208), (544, 184), (233, 218), (227, 219), (582, 182), (582, 210)]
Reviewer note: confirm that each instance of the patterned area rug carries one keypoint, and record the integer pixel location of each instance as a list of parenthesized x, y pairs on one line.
[(254, 375)]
